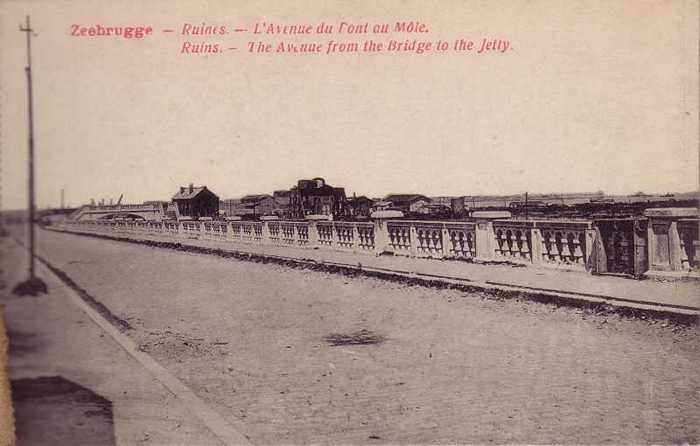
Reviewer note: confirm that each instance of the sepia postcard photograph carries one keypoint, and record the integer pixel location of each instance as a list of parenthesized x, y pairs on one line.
[(349, 222)]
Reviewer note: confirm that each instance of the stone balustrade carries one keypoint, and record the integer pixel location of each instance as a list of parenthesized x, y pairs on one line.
[(288, 233), (672, 235), (325, 233), (662, 241), (344, 235), (461, 239), (399, 237), (428, 239), (564, 243), (191, 229), (302, 233), (214, 230), (513, 240), (273, 231), (689, 245), (171, 228), (365, 237)]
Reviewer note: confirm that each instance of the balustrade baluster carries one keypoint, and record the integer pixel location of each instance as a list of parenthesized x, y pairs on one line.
[(553, 248), (565, 252), (525, 245), (513, 242)]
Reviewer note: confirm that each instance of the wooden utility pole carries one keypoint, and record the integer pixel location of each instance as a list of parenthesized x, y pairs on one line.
[(526, 206), (33, 285), (28, 69)]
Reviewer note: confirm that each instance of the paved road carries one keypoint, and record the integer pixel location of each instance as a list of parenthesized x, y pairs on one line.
[(659, 293), (252, 340)]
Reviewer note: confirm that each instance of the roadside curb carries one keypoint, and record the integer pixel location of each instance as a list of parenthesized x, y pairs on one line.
[(115, 328), (597, 303)]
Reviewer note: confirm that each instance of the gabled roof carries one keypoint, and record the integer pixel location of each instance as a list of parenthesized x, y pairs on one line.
[(255, 197), (359, 199), (185, 194), (399, 199)]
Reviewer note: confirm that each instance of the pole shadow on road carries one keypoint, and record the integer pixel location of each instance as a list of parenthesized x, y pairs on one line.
[(53, 410)]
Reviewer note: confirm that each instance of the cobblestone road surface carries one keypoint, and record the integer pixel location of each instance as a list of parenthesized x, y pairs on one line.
[(251, 340)]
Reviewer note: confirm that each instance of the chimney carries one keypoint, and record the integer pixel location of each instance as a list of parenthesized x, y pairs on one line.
[(191, 187), (182, 190)]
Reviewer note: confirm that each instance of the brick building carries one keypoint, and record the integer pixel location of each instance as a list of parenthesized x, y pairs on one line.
[(316, 197), (359, 207), (249, 206), (260, 204), (196, 202), (282, 199)]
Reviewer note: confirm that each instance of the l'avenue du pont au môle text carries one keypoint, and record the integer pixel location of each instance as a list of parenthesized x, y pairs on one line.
[(198, 38)]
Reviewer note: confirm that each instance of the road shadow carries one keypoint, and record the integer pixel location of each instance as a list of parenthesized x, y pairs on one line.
[(52, 410), (22, 343)]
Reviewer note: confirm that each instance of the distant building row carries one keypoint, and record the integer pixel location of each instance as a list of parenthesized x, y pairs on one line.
[(316, 197), (307, 197)]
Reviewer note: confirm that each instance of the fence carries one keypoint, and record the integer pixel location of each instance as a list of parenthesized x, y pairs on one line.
[(605, 246)]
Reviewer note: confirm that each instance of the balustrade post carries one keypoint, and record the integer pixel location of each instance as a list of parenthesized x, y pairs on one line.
[(590, 235), (412, 240), (180, 230), (484, 239), (355, 238), (535, 246), (663, 238), (641, 258), (485, 243), (295, 235), (674, 242), (265, 238), (446, 242), (313, 235), (227, 235), (381, 236), (598, 259)]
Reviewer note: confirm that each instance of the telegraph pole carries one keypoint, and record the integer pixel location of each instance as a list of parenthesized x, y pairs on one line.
[(33, 285), (526, 206)]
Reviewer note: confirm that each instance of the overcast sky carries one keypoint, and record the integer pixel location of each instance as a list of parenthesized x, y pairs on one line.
[(592, 96)]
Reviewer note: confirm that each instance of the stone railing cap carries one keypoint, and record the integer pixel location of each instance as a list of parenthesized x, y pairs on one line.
[(491, 214), (386, 214), (318, 217), (672, 212)]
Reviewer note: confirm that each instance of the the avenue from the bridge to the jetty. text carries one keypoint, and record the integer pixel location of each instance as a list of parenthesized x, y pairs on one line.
[(268, 37)]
